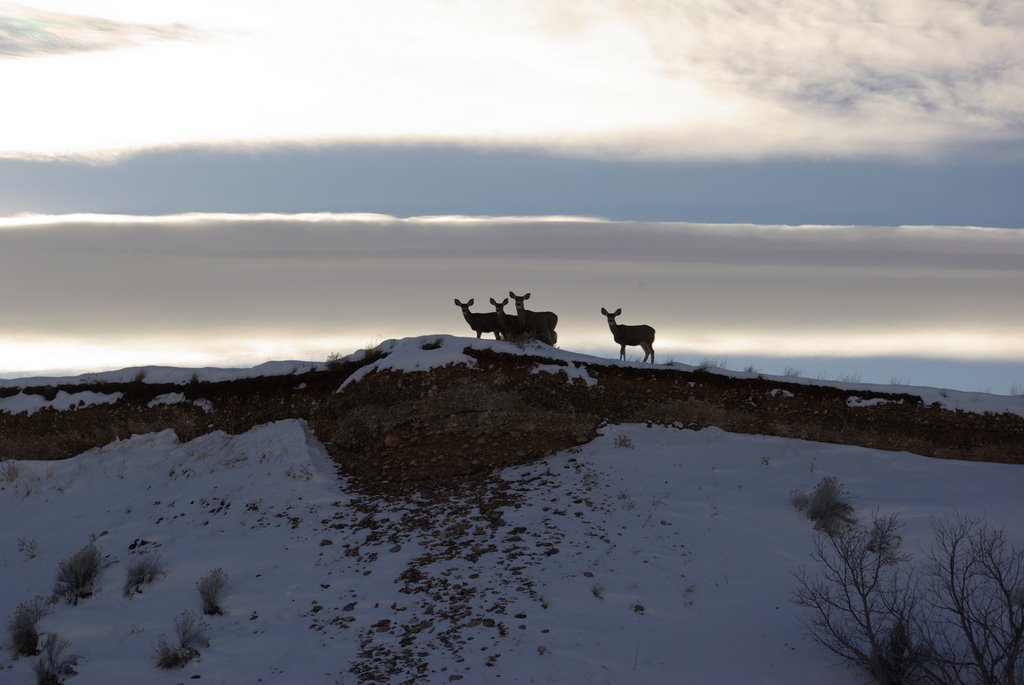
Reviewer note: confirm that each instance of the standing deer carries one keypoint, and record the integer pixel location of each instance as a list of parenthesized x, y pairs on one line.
[(642, 335), (508, 325), (481, 323), (540, 325)]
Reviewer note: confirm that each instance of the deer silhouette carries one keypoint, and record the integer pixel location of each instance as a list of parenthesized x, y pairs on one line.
[(481, 323), (540, 325), (642, 335), (509, 326)]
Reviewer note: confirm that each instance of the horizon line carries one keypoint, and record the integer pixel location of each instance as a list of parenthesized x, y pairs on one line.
[(27, 219)]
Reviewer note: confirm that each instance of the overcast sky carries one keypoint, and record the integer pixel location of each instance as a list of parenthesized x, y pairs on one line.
[(823, 112)]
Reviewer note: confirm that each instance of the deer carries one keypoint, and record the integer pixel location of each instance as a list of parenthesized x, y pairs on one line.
[(481, 323), (642, 335), (509, 326), (540, 325)]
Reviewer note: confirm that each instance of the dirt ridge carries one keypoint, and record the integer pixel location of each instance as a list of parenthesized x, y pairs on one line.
[(409, 427)]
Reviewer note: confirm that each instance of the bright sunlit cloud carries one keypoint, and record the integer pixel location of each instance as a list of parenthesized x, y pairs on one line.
[(66, 355), (703, 79), (207, 289)]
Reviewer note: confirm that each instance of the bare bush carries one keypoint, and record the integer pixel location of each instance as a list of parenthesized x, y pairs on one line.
[(708, 363), (623, 441), (976, 597), (53, 665), (210, 588), (22, 626), (168, 656), (77, 574), (962, 624), (826, 506), (190, 631), (335, 361), (142, 571), (862, 602)]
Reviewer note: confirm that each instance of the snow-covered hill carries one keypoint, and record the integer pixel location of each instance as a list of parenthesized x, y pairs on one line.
[(651, 555)]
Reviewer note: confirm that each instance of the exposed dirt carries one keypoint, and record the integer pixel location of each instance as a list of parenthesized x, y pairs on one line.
[(404, 428), (455, 420), (237, 406)]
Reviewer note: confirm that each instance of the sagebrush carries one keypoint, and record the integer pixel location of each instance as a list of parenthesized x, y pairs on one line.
[(210, 588), (190, 632), (76, 575), (53, 665), (22, 626), (826, 506), (142, 571)]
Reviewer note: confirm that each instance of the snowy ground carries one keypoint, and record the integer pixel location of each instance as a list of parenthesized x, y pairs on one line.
[(652, 555)]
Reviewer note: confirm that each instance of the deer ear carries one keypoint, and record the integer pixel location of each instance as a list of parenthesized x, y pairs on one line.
[(604, 311), (504, 302), (511, 294), (526, 296), (617, 311), (457, 303), (470, 303)]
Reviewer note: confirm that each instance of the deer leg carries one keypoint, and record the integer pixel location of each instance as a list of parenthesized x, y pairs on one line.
[(622, 353)]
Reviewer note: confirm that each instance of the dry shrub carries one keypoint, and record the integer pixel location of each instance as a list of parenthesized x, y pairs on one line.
[(77, 574), (22, 626), (142, 571), (210, 588), (53, 665), (861, 609), (191, 634), (959, 620), (826, 506)]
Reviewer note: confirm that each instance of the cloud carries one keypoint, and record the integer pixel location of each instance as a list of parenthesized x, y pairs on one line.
[(28, 32), (204, 283), (913, 74), (979, 189), (706, 79)]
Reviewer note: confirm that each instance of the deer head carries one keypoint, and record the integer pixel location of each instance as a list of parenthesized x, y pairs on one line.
[(519, 300)]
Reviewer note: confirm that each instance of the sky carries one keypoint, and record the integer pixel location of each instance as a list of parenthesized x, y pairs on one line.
[(223, 183)]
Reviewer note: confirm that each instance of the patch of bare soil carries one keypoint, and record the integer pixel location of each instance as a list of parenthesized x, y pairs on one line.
[(466, 575)]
